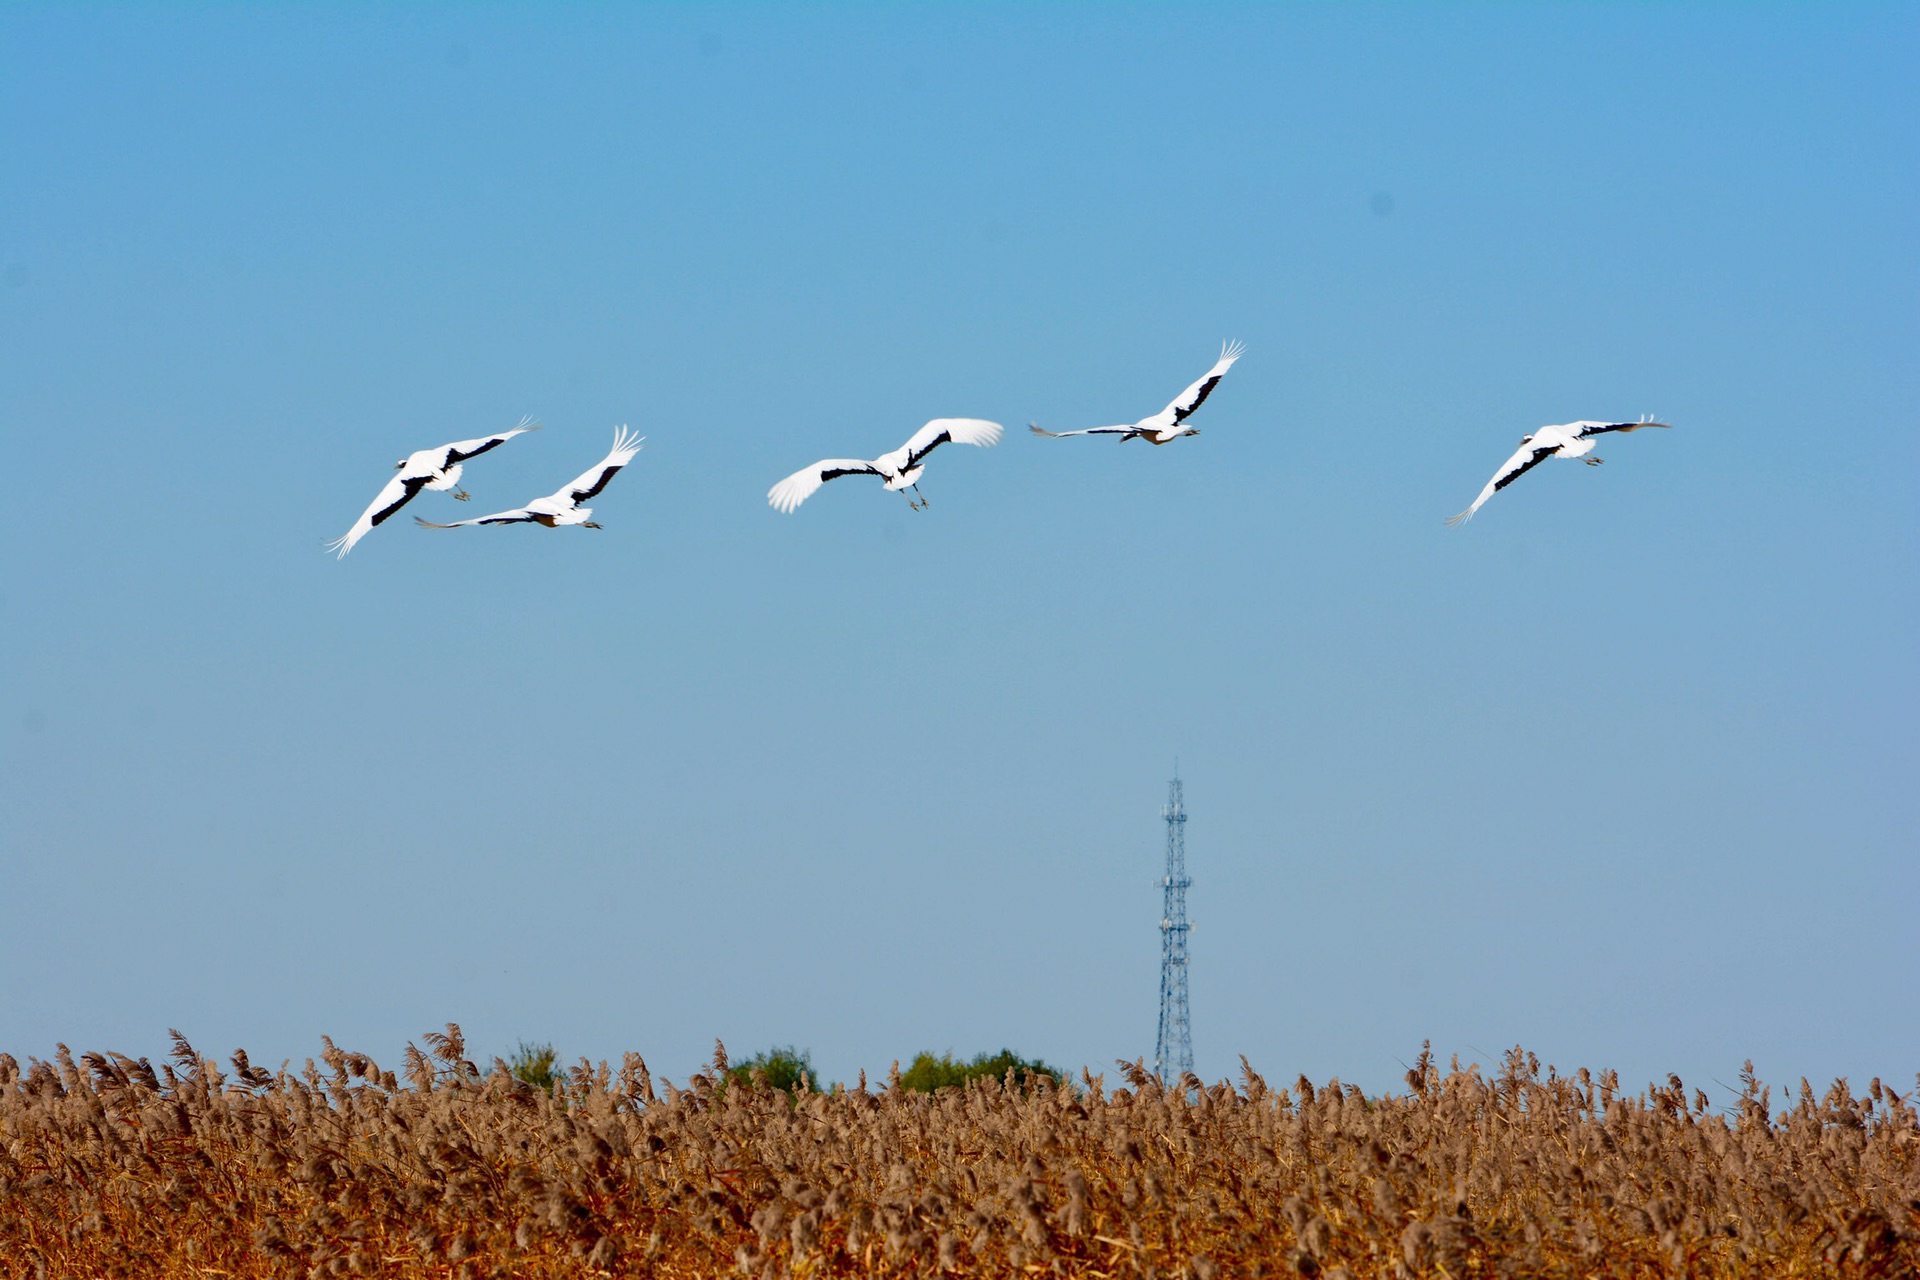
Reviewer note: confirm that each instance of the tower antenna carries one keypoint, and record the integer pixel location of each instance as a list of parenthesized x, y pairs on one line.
[(1173, 1051)]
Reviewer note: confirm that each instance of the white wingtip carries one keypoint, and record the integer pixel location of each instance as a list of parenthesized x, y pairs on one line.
[(526, 423), (790, 492), (1231, 351), (624, 441), (340, 546), (1455, 521)]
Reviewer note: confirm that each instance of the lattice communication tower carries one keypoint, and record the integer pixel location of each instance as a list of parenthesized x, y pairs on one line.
[(1173, 1052)]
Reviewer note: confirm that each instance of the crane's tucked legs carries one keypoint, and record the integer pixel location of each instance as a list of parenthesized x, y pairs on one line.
[(1593, 462)]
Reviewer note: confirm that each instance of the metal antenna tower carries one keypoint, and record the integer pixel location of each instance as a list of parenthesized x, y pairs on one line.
[(1173, 1052)]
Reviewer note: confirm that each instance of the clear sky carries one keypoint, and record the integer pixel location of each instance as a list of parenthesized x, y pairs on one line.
[(1623, 771)]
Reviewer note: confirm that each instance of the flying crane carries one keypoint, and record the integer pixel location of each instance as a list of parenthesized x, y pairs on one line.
[(425, 469), (563, 507), (1564, 440), (900, 469), (1170, 423)]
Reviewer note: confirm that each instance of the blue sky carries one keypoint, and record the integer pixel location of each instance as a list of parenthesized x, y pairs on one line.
[(1622, 771)]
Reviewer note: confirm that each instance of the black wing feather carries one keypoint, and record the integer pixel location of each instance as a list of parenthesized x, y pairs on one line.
[(581, 495), (913, 459), (1206, 389), (414, 485), (454, 455), (1539, 456)]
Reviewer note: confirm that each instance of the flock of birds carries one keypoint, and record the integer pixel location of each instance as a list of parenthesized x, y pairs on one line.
[(899, 470)]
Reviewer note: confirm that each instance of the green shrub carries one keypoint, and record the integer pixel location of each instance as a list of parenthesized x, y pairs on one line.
[(535, 1064), (929, 1073), (784, 1067)]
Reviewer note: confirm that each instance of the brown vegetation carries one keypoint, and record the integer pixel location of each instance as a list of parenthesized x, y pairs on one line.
[(109, 1168)]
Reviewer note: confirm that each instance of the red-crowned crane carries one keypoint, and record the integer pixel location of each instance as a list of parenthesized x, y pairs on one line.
[(900, 469), (1563, 440), (564, 507), (427, 469), (1169, 423)]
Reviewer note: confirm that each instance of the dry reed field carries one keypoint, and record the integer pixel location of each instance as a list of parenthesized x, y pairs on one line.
[(111, 1168)]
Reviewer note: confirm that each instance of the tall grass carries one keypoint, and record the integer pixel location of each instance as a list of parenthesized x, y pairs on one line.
[(111, 1167)]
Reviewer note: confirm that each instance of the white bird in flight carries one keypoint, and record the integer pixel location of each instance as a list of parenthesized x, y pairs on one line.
[(900, 469), (1168, 424), (1563, 440), (427, 469), (563, 507)]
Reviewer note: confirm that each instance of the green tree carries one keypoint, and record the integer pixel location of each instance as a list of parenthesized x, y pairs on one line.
[(535, 1064), (784, 1067), (928, 1072)]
